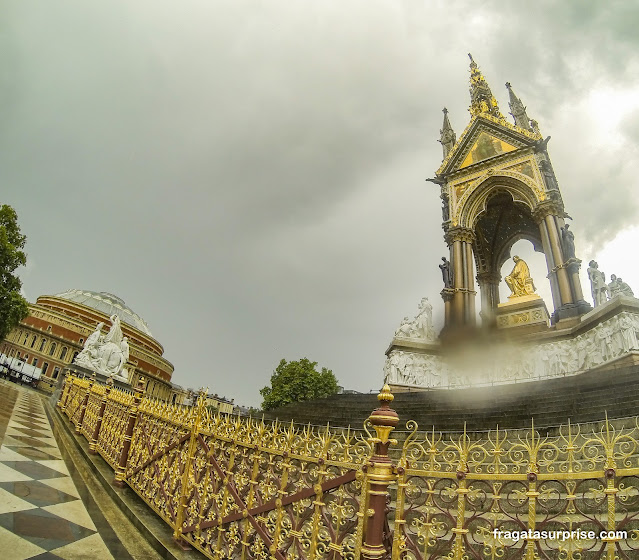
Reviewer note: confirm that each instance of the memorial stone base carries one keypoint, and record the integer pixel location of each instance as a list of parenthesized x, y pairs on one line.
[(82, 371), (527, 312), (524, 348)]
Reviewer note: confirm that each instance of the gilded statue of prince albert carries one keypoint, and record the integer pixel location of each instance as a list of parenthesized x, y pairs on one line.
[(519, 280)]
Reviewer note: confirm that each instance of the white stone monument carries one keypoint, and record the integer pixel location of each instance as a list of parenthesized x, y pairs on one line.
[(106, 354), (416, 361)]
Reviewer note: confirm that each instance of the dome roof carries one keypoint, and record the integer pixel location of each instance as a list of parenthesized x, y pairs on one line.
[(109, 305)]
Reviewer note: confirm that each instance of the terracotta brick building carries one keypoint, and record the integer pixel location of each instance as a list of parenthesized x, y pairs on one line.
[(54, 333)]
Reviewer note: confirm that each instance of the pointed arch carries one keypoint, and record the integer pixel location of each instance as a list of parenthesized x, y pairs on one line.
[(521, 188)]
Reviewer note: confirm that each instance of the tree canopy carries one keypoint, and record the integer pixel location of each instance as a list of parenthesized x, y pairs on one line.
[(13, 307), (297, 381)]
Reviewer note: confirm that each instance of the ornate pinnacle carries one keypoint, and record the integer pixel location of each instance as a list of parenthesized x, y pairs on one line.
[(517, 109), (447, 135), (384, 419), (385, 395), (482, 100)]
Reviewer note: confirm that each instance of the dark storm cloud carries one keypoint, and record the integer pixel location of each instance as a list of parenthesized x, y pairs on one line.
[(249, 176)]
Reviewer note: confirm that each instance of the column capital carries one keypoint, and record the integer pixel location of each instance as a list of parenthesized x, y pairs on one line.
[(573, 265), (447, 294), (547, 208), (459, 234), (488, 277)]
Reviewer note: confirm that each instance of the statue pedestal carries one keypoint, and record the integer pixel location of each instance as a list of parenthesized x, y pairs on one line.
[(528, 312), (519, 299), (82, 371)]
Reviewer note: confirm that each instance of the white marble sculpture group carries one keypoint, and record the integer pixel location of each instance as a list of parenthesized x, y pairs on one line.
[(106, 354), (607, 341), (602, 292), (420, 365), (421, 327)]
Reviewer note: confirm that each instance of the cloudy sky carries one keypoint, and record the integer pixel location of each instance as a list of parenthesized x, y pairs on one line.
[(249, 176)]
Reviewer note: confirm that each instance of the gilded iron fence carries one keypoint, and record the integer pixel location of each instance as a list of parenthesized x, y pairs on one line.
[(72, 406), (572, 496), (111, 437), (92, 410), (237, 488), (241, 488)]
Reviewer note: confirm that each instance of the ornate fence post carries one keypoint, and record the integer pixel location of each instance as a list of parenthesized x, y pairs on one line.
[(66, 391), (532, 494), (93, 444), (195, 430), (380, 474), (83, 409), (461, 491), (133, 415), (611, 490)]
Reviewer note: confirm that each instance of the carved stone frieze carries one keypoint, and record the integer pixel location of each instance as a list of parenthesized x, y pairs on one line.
[(609, 340), (416, 369)]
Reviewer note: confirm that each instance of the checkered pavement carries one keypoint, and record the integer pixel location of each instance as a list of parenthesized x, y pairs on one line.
[(41, 514)]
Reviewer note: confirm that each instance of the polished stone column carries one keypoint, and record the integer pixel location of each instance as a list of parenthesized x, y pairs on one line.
[(562, 274), (573, 266), (489, 288), (560, 284), (470, 285), (550, 263), (447, 295), (458, 282), (463, 305)]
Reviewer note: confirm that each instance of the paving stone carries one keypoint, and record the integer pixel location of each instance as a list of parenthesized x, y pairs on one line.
[(41, 514)]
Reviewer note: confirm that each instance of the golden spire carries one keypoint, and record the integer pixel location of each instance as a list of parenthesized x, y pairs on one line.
[(482, 100)]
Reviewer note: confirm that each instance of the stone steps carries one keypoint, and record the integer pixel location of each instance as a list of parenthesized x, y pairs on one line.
[(582, 398)]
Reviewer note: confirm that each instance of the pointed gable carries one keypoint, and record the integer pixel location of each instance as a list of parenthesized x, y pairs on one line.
[(485, 137), (485, 147)]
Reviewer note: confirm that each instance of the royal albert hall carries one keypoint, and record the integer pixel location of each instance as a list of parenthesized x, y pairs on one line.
[(54, 333)]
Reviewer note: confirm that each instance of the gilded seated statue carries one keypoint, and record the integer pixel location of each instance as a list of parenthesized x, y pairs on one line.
[(519, 280)]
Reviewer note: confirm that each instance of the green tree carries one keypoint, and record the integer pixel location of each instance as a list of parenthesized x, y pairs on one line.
[(13, 307), (298, 381)]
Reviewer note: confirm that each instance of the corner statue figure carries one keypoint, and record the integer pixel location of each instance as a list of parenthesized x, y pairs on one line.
[(598, 286), (568, 242), (446, 273), (519, 280)]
